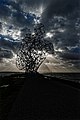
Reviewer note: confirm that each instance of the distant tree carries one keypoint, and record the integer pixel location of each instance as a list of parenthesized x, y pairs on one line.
[(33, 50)]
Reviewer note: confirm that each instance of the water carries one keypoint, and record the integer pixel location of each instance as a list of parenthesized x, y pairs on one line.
[(67, 76)]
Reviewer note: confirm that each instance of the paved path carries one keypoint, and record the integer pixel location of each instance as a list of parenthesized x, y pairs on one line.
[(43, 99)]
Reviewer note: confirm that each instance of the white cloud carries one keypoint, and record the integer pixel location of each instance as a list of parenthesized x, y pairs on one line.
[(49, 35)]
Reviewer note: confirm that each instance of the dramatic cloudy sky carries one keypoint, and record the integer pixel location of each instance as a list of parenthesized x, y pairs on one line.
[(62, 24)]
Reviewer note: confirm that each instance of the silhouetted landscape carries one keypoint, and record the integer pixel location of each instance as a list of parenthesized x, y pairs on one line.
[(35, 96)]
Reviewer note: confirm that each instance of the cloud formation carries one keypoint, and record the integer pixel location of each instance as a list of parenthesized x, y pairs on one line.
[(61, 8), (60, 17)]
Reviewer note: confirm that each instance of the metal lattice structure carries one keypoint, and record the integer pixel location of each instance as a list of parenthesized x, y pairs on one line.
[(33, 50)]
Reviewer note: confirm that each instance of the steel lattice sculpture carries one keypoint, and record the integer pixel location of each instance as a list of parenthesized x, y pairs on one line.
[(33, 50)]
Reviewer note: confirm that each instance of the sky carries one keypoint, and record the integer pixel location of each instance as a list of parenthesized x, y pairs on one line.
[(61, 19)]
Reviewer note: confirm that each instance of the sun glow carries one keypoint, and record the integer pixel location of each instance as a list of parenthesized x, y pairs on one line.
[(37, 11), (41, 9)]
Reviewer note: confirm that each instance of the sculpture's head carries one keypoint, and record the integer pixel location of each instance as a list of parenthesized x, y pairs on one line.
[(39, 29)]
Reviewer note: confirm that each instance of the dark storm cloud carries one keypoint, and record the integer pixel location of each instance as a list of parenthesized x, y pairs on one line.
[(11, 12), (18, 19), (67, 38), (0, 26), (9, 43), (4, 11), (15, 5), (17, 16), (60, 7), (64, 32), (71, 54), (69, 10), (4, 53)]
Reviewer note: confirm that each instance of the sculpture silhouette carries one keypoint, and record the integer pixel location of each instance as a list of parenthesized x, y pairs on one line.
[(33, 50)]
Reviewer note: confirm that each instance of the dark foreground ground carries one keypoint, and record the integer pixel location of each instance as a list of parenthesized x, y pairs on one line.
[(37, 97)]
